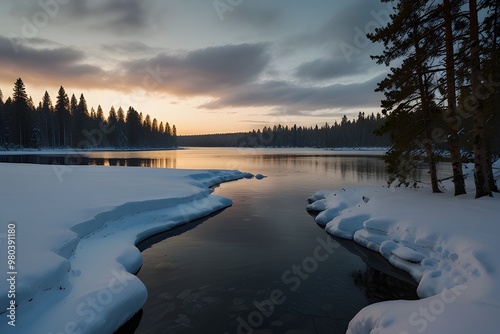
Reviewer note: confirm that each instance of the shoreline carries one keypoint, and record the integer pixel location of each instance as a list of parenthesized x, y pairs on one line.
[(153, 239), (445, 243), (86, 281)]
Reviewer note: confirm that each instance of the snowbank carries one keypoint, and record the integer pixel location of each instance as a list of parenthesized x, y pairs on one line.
[(448, 244), (75, 229)]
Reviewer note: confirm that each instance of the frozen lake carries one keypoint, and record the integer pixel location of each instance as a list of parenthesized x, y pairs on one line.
[(262, 265)]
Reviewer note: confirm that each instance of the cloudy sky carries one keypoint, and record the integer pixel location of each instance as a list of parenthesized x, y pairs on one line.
[(206, 66)]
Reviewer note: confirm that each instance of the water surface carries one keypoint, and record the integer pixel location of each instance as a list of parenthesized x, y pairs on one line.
[(261, 266), (256, 265)]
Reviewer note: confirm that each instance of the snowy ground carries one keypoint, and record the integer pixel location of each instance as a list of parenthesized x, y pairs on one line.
[(72, 231), (448, 244)]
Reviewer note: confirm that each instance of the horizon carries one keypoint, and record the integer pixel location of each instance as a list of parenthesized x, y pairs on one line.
[(208, 67)]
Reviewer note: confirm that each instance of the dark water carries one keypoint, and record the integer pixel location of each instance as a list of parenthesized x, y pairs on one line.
[(261, 266)]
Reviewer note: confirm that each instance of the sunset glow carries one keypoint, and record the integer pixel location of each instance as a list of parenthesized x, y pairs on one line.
[(206, 66)]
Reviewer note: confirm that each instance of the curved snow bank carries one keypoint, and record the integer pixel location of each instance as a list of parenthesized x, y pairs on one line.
[(76, 228), (448, 244)]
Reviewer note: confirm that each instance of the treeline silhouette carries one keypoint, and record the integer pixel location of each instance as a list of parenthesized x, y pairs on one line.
[(69, 124), (358, 132)]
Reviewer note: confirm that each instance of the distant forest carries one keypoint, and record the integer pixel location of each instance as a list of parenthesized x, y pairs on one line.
[(358, 132), (70, 124)]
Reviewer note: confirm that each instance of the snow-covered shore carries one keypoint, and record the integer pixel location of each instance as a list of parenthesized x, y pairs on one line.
[(74, 228), (448, 244)]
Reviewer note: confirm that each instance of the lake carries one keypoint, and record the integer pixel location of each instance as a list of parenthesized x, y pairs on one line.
[(261, 266)]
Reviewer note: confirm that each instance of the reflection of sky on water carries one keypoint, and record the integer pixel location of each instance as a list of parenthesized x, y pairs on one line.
[(334, 167), (208, 274)]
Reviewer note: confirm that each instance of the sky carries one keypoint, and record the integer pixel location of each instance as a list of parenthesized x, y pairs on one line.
[(207, 66)]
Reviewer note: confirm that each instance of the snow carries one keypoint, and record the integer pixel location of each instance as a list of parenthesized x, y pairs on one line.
[(448, 244), (75, 231), (364, 149)]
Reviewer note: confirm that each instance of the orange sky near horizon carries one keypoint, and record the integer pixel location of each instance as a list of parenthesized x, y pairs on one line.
[(205, 68)]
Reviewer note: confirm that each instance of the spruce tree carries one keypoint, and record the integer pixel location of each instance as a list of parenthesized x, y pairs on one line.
[(112, 123), (48, 120), (121, 128), (81, 119), (3, 129), (22, 120), (134, 127), (174, 135), (409, 88), (62, 113)]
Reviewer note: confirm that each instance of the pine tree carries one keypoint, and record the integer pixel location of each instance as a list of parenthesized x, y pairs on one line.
[(155, 134), (62, 113), (99, 121), (168, 130), (3, 121), (410, 88), (134, 127), (120, 129), (22, 120), (48, 121), (69, 124), (147, 128), (154, 126), (112, 117), (112, 123), (174, 135), (81, 119)]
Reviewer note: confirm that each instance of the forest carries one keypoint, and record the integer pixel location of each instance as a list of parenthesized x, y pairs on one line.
[(442, 99), (358, 132), (70, 124), (442, 88)]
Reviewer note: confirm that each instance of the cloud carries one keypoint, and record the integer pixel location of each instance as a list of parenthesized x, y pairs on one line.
[(344, 26), (230, 74), (124, 14), (46, 65), (204, 72), (325, 69), (131, 48), (252, 16), (300, 100), (209, 71), (342, 42), (120, 17)]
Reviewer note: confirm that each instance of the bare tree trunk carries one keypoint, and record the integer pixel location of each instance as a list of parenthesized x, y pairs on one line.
[(490, 174), (479, 140), (490, 149), (428, 140), (456, 159), (424, 97)]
